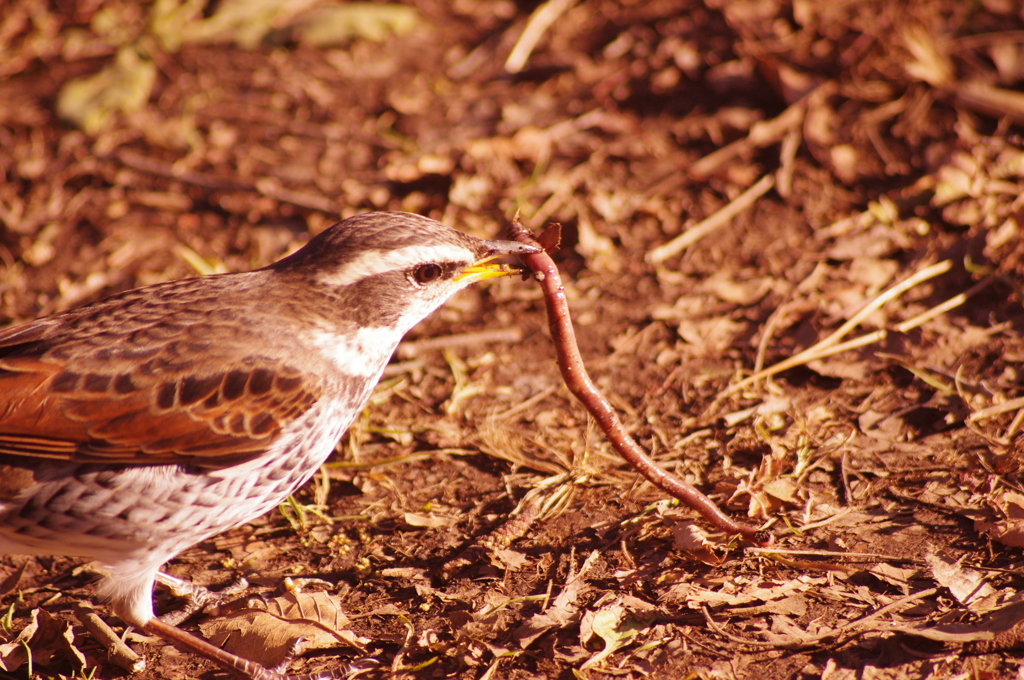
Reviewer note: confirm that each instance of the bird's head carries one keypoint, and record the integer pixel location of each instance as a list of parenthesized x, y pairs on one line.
[(391, 269)]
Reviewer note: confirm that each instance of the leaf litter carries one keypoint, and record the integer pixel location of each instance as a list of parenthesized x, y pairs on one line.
[(740, 184)]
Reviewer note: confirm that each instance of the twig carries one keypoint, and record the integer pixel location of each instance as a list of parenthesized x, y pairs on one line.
[(118, 653), (787, 161), (1014, 426), (137, 161), (715, 626), (271, 188), (997, 409), (414, 348), (831, 344), (839, 635), (540, 21), (574, 373), (989, 100), (707, 226), (763, 133), (774, 322), (850, 556), (266, 186), (891, 294)]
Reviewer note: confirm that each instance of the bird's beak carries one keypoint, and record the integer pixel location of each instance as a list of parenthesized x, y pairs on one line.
[(485, 268)]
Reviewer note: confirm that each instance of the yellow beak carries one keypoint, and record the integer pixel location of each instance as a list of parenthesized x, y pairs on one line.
[(485, 269)]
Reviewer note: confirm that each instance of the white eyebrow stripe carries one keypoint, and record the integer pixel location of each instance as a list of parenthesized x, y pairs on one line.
[(380, 261)]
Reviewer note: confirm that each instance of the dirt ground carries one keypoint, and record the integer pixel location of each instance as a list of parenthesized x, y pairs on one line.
[(862, 169)]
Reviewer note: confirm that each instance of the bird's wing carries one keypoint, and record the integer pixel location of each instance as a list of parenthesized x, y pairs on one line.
[(111, 400)]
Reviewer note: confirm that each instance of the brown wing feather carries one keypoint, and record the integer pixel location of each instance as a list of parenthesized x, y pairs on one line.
[(65, 397)]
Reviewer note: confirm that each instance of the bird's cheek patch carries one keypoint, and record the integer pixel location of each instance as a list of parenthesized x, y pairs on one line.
[(360, 353)]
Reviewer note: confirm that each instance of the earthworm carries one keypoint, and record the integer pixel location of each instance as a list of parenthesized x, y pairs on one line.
[(570, 363)]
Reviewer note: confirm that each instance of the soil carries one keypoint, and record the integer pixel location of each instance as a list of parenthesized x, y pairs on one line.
[(474, 523)]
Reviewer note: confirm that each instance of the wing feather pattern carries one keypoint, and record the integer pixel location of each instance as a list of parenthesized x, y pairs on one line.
[(135, 397)]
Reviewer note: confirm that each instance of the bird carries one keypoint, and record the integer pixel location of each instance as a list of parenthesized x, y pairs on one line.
[(140, 425)]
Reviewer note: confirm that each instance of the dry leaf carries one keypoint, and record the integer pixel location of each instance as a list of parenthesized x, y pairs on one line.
[(431, 521), (614, 625), (896, 576), (123, 85), (332, 25), (15, 653), (563, 610), (710, 336), (511, 560), (998, 622), (763, 591), (267, 635), (1009, 530), (966, 585), (688, 536), (744, 293), (44, 637), (550, 238), (11, 582)]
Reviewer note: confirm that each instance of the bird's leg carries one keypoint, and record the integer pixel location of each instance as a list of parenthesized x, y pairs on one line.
[(197, 598), (293, 652), (190, 643), (225, 659)]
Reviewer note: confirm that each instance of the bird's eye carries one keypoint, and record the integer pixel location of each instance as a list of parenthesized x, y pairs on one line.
[(426, 273)]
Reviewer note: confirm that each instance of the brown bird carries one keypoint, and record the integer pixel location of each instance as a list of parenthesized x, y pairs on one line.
[(140, 425)]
